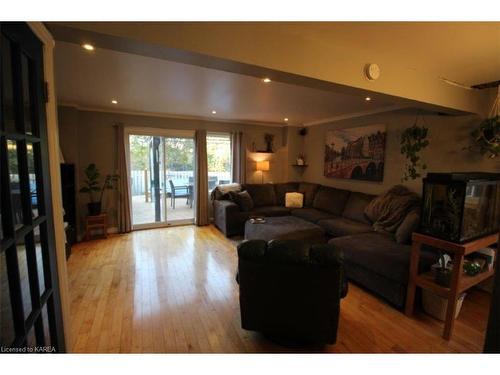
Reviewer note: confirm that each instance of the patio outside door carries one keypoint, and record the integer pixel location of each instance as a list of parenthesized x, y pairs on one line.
[(162, 179)]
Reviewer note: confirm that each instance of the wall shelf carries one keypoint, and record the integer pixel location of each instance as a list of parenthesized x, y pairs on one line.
[(300, 165)]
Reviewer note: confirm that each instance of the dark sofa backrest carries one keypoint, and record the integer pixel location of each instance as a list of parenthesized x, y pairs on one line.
[(331, 199), (262, 194), (309, 190), (281, 189), (355, 206)]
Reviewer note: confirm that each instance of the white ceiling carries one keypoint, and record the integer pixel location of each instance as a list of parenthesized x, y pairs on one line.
[(149, 85)]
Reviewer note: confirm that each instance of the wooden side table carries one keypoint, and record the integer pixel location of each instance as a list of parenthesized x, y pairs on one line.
[(99, 223), (459, 281)]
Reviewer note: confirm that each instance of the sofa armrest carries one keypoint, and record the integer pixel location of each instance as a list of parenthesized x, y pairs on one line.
[(225, 215)]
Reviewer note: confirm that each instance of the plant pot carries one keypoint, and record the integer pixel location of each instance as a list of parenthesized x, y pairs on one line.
[(443, 277), (94, 208)]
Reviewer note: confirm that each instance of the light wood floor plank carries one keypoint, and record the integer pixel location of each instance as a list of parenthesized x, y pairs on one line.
[(173, 290)]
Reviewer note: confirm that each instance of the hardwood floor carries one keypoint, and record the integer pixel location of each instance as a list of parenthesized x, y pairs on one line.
[(173, 290)]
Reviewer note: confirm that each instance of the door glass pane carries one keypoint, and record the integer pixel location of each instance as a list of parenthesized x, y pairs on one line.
[(45, 321), (7, 87), (39, 260), (23, 275), (7, 333), (15, 188), (147, 187), (26, 93), (31, 339), (32, 177), (179, 162), (1, 220)]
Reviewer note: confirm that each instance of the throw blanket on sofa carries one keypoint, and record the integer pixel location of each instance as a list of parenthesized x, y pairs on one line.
[(221, 190), (387, 211)]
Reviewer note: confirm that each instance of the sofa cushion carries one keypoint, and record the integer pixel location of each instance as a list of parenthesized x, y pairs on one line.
[(331, 199), (270, 211), (311, 214), (281, 189), (309, 190), (294, 200), (242, 199), (407, 227), (379, 253), (341, 226), (355, 206), (262, 194)]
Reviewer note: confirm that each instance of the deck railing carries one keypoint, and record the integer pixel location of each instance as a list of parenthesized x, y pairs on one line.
[(139, 179)]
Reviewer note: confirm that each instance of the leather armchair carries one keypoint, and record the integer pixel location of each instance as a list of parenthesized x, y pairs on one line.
[(291, 291)]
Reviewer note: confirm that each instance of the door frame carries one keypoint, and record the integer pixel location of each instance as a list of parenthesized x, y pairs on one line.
[(55, 174), (161, 132)]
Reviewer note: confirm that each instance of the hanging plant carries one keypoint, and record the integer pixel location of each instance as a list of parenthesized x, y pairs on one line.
[(487, 135), (413, 141)]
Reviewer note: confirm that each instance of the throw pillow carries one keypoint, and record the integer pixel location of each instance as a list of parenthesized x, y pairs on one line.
[(408, 226), (294, 200), (242, 199)]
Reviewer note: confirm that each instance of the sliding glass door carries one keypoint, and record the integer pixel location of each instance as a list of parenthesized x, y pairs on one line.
[(162, 178)]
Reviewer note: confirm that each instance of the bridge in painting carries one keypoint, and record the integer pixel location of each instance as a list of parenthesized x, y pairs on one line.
[(359, 169)]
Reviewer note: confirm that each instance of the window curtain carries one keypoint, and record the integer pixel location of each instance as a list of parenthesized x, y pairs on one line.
[(201, 189), (124, 198), (238, 158)]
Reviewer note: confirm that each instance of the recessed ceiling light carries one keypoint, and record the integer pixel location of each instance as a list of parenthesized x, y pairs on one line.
[(368, 98), (266, 80), (88, 47), (285, 119), (114, 101), (214, 112)]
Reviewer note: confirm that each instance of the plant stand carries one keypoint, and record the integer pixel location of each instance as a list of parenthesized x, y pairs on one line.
[(459, 282), (93, 223)]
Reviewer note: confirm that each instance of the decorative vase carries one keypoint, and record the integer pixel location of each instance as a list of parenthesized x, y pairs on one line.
[(94, 208), (300, 161), (269, 147)]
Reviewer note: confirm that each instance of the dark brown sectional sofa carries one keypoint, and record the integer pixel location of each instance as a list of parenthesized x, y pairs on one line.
[(374, 260)]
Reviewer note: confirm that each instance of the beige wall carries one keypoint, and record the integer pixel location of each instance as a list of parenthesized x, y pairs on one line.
[(88, 137), (447, 136)]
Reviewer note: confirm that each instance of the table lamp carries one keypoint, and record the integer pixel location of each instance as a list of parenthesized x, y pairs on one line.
[(263, 166)]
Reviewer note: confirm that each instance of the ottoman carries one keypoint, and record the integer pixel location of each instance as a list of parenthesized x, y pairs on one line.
[(285, 228)]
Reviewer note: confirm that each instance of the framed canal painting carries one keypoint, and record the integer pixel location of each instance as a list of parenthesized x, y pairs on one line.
[(356, 153)]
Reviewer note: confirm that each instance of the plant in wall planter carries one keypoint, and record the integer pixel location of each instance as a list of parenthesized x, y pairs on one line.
[(92, 187), (413, 141)]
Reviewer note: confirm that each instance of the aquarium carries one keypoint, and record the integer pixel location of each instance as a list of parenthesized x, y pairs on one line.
[(460, 207)]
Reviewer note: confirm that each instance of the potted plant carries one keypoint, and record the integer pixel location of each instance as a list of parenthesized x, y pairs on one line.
[(443, 270), (92, 186), (301, 159), (487, 137), (413, 140)]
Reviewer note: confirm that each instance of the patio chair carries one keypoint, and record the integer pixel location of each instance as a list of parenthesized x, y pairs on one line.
[(178, 192)]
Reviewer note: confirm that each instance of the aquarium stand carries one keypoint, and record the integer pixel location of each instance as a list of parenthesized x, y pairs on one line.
[(459, 281)]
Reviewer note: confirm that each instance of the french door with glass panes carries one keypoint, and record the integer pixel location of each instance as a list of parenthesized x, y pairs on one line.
[(30, 309)]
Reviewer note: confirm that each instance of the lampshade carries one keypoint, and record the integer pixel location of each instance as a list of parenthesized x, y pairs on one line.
[(263, 165)]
